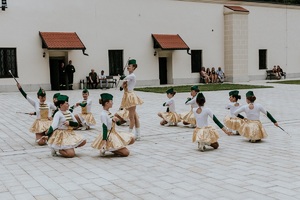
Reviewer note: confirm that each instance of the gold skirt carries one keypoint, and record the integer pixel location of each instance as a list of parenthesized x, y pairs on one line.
[(87, 118), (189, 118), (130, 99), (207, 134), (116, 140), (234, 123), (65, 139), (253, 130), (40, 125), (124, 114), (171, 117)]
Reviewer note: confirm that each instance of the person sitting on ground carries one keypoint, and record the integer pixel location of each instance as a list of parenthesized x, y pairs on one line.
[(204, 75), (102, 79), (221, 74), (93, 79)]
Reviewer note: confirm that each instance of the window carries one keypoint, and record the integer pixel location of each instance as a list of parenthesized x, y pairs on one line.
[(262, 58), (196, 58), (115, 62), (8, 61)]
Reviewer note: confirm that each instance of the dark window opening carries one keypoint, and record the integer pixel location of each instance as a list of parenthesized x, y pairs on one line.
[(8, 61), (196, 59), (262, 58), (115, 62)]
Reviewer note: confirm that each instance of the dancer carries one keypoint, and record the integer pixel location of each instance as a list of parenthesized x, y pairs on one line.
[(130, 100), (204, 134), (189, 118), (60, 135), (110, 139), (85, 118), (252, 128), (170, 117), (233, 122), (43, 114)]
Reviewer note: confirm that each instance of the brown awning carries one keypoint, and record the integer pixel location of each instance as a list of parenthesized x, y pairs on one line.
[(169, 42), (61, 41), (237, 8)]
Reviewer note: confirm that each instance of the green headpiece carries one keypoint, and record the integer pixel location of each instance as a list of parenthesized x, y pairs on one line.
[(56, 95), (170, 91), (195, 87), (132, 62), (200, 95), (234, 93), (85, 90), (41, 93), (106, 96), (250, 94), (62, 98)]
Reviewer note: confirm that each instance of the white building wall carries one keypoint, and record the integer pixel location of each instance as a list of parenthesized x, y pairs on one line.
[(104, 25)]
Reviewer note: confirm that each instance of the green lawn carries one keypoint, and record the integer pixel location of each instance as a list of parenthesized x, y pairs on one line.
[(208, 87), (297, 82)]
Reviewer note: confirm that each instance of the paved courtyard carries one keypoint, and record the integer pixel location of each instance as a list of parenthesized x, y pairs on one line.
[(165, 164)]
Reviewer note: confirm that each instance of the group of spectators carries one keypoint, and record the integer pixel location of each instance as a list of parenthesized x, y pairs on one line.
[(278, 72), (212, 76), (94, 79)]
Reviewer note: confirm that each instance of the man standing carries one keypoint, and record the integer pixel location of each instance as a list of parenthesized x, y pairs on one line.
[(62, 76), (70, 70)]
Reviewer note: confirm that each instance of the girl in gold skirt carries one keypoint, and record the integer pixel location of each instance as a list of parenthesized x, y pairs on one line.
[(204, 134), (170, 117), (60, 135), (252, 128), (189, 118), (233, 122), (130, 100), (110, 139), (43, 114), (85, 118)]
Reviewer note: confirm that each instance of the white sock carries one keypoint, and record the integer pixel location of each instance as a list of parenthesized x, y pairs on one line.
[(130, 130), (138, 131)]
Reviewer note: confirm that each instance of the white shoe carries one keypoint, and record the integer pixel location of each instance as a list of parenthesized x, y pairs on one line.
[(193, 126), (53, 152), (83, 128), (102, 152), (201, 146)]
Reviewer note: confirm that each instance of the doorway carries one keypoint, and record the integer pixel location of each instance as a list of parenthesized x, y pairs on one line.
[(54, 64), (163, 79)]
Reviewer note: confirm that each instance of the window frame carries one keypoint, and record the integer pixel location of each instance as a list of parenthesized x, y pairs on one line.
[(196, 64), (262, 59), (116, 61), (8, 61)]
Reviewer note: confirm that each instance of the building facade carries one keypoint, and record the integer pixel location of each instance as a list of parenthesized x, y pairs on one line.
[(170, 39)]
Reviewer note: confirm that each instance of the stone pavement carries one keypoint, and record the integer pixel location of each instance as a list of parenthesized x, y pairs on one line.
[(165, 164)]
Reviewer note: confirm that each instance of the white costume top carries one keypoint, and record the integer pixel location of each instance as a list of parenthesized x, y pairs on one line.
[(202, 118), (131, 81), (59, 119), (192, 102), (231, 106), (253, 114), (36, 105), (102, 76), (106, 118), (88, 104), (171, 104)]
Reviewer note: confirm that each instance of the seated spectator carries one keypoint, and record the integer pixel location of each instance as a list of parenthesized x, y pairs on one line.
[(204, 75), (93, 79), (280, 71), (103, 79), (220, 74), (213, 76), (208, 73), (274, 70)]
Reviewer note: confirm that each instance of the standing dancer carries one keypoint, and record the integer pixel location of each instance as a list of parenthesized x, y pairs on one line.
[(232, 121), (130, 100), (43, 114), (60, 135), (110, 139), (204, 134), (252, 128), (85, 118), (170, 117), (189, 118)]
